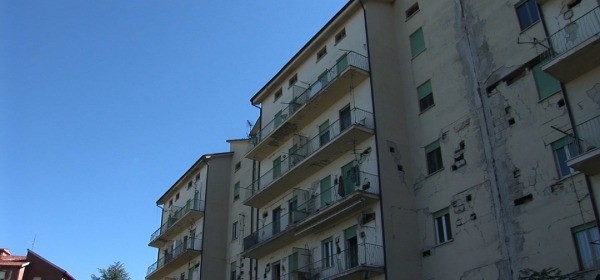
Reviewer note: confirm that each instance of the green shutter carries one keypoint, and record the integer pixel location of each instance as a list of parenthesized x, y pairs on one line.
[(342, 63), (417, 42), (546, 84), (325, 185), (424, 90), (236, 189), (324, 127), (350, 232), (440, 213), (431, 147), (562, 142)]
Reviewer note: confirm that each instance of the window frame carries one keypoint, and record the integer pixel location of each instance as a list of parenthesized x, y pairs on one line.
[(321, 53), (531, 18), (441, 221), (234, 231), (327, 252), (433, 156), (588, 229), (568, 144), (415, 38), (425, 93), (236, 191), (340, 36)]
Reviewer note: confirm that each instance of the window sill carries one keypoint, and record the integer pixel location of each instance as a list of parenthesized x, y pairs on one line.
[(426, 109), (417, 54), (434, 172), (444, 243), (530, 27), (547, 97)]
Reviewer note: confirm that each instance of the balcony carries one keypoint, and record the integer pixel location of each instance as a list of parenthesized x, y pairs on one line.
[(575, 48), (350, 70), (588, 140), (179, 219), (351, 264), (310, 156), (180, 255), (312, 212)]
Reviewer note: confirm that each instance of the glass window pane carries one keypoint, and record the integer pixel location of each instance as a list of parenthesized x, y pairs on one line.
[(417, 42)]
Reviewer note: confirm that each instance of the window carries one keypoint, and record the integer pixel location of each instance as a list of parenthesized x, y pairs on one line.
[(197, 177), (588, 250), (441, 220), (238, 165), (412, 10), (278, 94), (528, 14), (292, 81), (232, 270), (425, 94), (277, 167), (327, 252), (322, 53), (433, 154), (340, 35), (171, 202), (417, 42), (189, 185), (564, 149), (2, 275), (345, 118), (176, 196), (234, 230), (546, 84), (182, 276), (324, 133), (236, 191)]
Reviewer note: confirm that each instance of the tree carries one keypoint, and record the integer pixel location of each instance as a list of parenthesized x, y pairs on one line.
[(115, 271)]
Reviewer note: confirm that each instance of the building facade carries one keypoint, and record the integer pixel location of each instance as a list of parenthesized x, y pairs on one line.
[(422, 140)]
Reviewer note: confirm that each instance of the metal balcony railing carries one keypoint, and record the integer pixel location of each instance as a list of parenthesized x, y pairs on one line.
[(191, 244), (365, 255), (574, 33), (302, 95), (588, 134), (176, 214), (357, 117), (310, 205)]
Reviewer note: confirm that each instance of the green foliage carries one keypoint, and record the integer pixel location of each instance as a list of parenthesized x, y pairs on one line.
[(115, 271), (550, 273)]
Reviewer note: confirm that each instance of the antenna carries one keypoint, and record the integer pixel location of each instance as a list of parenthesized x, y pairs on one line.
[(33, 242)]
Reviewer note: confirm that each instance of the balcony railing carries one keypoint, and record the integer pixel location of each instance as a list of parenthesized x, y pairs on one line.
[(309, 205), (177, 213), (586, 147), (364, 257), (306, 148), (190, 245), (351, 59), (573, 49), (575, 33)]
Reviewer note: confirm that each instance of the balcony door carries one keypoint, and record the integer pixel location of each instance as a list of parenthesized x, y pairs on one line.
[(349, 179), (345, 118), (325, 187), (276, 220), (342, 63), (351, 247)]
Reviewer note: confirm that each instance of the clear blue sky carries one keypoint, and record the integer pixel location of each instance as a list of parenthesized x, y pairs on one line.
[(104, 104)]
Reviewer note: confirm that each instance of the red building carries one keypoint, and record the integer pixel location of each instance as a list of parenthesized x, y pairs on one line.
[(30, 267)]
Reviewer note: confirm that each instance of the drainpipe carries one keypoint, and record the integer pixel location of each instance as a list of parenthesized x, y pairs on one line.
[(206, 158), (376, 136), (255, 171)]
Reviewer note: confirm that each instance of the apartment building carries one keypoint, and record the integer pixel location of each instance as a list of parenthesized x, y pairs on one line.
[(416, 140), (191, 240)]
